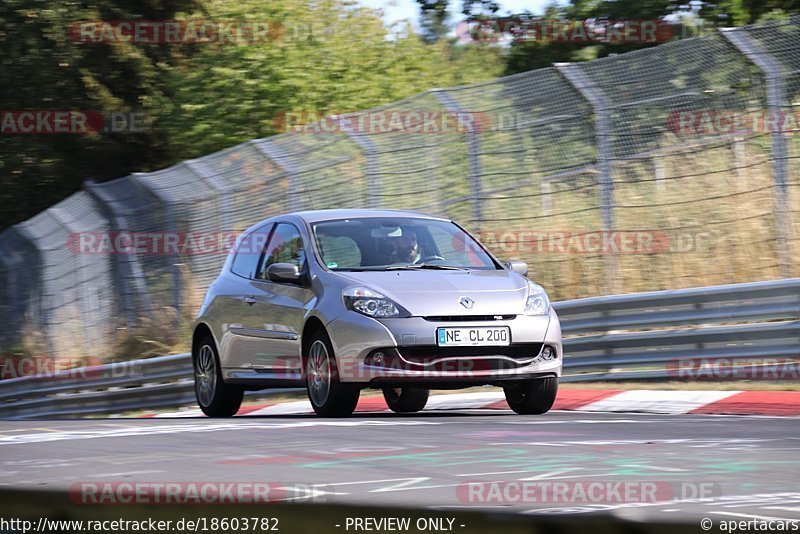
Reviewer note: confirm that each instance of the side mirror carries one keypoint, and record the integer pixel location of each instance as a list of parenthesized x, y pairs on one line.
[(284, 272), (518, 266)]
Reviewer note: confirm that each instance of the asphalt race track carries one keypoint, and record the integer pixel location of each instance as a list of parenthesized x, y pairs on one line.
[(746, 466)]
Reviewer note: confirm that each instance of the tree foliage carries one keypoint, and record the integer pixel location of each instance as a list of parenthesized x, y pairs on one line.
[(332, 56), (43, 69)]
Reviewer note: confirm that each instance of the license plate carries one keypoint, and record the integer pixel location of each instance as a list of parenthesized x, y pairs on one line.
[(459, 336)]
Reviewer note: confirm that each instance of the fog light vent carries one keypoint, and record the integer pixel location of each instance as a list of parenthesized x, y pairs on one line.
[(548, 353)]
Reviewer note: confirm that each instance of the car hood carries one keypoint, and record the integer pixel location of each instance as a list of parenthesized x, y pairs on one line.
[(430, 292)]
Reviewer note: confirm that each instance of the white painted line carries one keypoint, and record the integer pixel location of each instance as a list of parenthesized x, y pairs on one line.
[(635, 402), (772, 502), (657, 401), (494, 473), (285, 408), (657, 468), (463, 401), (785, 508), (182, 413), (402, 486), (199, 426), (551, 474), (710, 501), (103, 475)]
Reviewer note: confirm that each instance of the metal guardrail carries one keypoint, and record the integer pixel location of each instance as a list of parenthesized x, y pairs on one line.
[(648, 336), (640, 336)]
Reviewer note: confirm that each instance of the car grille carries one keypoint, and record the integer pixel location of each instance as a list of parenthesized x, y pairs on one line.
[(424, 354), (467, 318)]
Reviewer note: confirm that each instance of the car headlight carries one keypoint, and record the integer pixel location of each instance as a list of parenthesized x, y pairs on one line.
[(371, 303), (537, 303)]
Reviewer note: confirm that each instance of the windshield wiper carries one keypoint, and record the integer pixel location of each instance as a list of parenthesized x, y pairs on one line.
[(425, 266)]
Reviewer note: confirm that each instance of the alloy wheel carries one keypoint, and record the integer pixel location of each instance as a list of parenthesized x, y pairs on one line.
[(206, 375), (319, 373)]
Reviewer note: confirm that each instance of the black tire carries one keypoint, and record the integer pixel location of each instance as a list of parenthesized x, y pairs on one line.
[(530, 397), (406, 400), (329, 397), (214, 396)]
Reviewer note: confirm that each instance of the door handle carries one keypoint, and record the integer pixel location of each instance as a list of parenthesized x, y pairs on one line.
[(250, 300)]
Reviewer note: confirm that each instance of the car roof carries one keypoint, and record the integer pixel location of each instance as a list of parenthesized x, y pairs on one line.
[(333, 214)]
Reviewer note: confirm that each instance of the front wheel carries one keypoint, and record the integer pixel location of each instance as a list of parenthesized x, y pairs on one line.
[(530, 397), (329, 397), (215, 397), (406, 400)]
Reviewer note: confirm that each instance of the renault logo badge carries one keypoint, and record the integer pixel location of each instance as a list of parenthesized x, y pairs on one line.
[(466, 302)]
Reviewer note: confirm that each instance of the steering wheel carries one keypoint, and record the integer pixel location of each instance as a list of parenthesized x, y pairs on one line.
[(429, 258)]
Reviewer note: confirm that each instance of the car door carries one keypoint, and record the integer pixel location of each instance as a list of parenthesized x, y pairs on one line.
[(237, 346), (274, 311)]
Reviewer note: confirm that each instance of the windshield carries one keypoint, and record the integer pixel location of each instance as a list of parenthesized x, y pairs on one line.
[(397, 243)]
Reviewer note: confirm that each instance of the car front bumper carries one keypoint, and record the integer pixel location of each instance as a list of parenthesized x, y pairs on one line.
[(410, 353)]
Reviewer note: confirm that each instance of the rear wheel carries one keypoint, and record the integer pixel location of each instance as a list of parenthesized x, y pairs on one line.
[(530, 397), (329, 397), (406, 400), (215, 397)]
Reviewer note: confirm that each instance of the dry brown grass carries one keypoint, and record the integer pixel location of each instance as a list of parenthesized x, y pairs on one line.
[(713, 212), (167, 330)]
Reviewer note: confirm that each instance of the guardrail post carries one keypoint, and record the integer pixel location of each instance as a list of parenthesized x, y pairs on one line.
[(776, 104), (274, 154), (602, 131), (474, 147)]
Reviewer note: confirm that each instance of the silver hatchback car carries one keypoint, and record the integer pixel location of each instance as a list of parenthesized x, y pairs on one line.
[(342, 300)]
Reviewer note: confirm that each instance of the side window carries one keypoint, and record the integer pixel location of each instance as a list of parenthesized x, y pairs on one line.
[(285, 246), (249, 251)]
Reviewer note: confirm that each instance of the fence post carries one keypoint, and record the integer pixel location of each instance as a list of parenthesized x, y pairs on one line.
[(171, 228), (16, 286), (199, 169), (40, 315), (89, 319), (776, 104), (371, 165), (602, 131), (275, 154), (130, 270), (474, 144)]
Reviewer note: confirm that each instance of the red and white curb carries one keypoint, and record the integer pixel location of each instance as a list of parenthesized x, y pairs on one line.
[(584, 400)]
